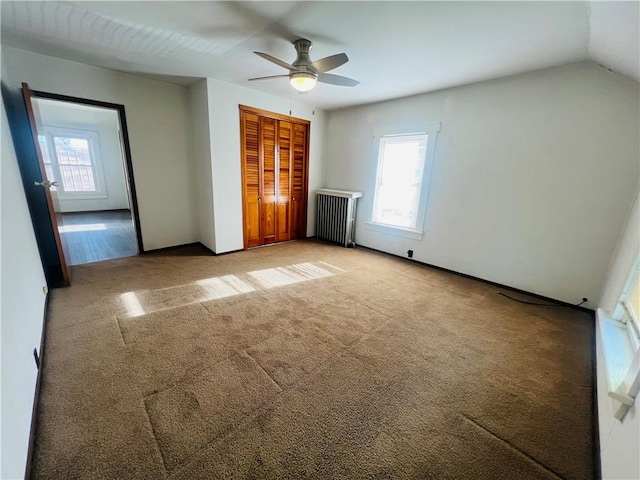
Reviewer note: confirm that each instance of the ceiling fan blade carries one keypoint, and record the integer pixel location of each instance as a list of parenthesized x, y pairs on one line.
[(277, 61), (269, 77), (329, 63), (337, 80)]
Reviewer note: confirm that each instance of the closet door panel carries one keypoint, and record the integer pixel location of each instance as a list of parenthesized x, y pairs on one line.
[(252, 182), (269, 179), (283, 232)]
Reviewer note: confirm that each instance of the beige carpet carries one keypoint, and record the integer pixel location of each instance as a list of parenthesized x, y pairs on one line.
[(306, 360)]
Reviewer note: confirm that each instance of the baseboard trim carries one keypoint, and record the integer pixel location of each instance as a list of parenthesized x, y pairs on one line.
[(206, 248), (488, 282), (175, 247), (185, 245), (225, 253), (36, 396)]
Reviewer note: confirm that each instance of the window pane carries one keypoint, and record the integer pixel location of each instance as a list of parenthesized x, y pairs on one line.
[(400, 170), (74, 160), (72, 151), (77, 178)]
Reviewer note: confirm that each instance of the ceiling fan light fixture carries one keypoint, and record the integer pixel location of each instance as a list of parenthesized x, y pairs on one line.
[(303, 81)]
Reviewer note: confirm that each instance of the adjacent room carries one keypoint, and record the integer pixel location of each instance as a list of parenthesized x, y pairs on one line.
[(320, 239), (82, 152)]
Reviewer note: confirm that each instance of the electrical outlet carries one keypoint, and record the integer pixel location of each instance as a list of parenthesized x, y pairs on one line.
[(410, 253)]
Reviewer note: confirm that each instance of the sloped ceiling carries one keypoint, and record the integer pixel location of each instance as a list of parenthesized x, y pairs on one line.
[(613, 36), (395, 48)]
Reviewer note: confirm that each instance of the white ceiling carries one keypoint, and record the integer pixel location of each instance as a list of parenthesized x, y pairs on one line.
[(395, 48)]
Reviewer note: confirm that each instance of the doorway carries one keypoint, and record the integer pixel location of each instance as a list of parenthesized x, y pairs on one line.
[(84, 159), (30, 135)]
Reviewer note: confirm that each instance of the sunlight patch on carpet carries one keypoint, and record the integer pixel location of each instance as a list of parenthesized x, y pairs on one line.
[(215, 288), (280, 276), (132, 304), (221, 287)]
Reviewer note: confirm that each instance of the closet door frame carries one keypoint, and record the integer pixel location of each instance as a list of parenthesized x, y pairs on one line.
[(278, 117)]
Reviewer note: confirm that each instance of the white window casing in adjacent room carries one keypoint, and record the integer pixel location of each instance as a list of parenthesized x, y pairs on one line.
[(404, 163), (72, 159)]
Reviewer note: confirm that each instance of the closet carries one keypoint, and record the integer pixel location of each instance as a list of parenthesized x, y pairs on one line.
[(275, 160)]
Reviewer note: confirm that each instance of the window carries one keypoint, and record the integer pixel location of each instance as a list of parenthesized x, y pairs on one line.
[(74, 163), (404, 164), (400, 171), (71, 159), (620, 338), (629, 306)]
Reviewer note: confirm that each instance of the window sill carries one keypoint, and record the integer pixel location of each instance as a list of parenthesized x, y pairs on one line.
[(397, 231), (620, 363)]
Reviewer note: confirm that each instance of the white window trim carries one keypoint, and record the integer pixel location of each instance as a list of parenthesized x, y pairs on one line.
[(621, 349), (93, 138), (431, 130), (632, 326)]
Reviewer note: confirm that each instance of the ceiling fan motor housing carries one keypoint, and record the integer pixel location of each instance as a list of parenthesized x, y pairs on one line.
[(303, 61)]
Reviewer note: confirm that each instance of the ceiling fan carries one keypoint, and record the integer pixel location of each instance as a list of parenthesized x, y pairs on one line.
[(304, 73)]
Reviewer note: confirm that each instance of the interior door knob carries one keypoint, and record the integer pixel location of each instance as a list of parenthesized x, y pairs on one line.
[(46, 184)]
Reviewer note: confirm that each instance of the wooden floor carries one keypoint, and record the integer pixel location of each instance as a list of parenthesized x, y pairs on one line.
[(94, 236)]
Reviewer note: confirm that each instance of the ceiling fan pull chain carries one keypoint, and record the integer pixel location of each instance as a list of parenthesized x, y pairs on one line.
[(313, 111)]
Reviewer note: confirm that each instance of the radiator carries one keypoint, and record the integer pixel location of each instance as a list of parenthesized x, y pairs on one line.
[(336, 216)]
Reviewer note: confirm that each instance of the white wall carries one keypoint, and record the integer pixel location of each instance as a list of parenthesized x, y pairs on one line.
[(105, 123), (531, 182), (21, 312), (619, 441), (224, 123), (622, 261), (201, 137), (158, 121)]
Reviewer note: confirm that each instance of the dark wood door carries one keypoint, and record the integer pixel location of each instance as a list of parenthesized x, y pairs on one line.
[(274, 176), (44, 182)]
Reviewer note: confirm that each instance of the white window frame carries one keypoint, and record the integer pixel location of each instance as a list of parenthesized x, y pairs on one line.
[(621, 348), (93, 139), (625, 312), (431, 130)]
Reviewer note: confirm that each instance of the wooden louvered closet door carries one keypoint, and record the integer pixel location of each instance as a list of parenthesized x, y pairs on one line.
[(268, 128), (274, 176), (283, 229), (252, 182), (299, 182)]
